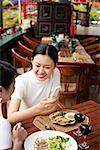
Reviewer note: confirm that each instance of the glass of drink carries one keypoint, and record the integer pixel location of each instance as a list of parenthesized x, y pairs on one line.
[(79, 118), (85, 129)]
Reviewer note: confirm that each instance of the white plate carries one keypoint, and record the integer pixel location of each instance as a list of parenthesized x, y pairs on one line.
[(30, 140)]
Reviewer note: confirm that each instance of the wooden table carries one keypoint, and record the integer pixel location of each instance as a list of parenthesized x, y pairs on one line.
[(84, 62), (81, 57), (89, 108), (88, 31)]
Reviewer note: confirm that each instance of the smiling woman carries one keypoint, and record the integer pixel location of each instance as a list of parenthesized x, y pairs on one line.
[(33, 89)]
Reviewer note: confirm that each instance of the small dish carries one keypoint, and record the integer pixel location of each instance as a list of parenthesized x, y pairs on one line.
[(70, 115)]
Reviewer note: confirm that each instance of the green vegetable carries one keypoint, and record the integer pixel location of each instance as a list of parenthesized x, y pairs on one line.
[(57, 143)]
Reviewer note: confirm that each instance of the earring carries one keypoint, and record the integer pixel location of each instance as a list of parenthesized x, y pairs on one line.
[(0, 94)]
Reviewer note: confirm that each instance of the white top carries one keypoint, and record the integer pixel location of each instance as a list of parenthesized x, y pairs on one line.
[(5, 134), (31, 91)]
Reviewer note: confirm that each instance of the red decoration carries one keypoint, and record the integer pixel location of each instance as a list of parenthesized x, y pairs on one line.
[(72, 27), (24, 10)]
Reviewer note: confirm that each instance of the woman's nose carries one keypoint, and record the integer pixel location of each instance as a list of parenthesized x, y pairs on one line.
[(41, 70)]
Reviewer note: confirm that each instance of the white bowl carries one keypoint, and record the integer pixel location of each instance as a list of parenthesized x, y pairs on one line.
[(70, 115)]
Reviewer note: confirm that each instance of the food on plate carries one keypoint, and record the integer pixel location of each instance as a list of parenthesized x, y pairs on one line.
[(41, 144), (52, 143), (58, 118), (63, 117), (50, 140), (70, 115)]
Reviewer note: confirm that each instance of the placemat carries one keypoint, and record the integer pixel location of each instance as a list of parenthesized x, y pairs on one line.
[(41, 121)]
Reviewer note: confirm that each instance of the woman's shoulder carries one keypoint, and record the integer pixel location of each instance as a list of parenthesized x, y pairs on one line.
[(56, 70), (56, 73), (25, 75)]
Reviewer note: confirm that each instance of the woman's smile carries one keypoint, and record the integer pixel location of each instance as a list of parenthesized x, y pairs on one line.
[(41, 76)]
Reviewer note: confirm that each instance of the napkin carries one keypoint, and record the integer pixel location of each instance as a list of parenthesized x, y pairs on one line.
[(5, 134)]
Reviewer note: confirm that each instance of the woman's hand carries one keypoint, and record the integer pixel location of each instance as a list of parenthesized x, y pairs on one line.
[(19, 133), (46, 106)]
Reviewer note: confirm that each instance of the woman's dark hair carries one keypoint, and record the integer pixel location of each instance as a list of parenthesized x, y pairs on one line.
[(45, 49), (7, 74)]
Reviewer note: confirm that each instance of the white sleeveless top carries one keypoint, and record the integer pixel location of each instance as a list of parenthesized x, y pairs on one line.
[(5, 134), (31, 91)]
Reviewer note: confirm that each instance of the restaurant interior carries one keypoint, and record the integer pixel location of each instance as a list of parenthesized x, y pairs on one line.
[(73, 27)]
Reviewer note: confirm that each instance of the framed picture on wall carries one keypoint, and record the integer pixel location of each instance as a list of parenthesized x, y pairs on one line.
[(45, 12), (44, 28), (60, 27), (60, 12)]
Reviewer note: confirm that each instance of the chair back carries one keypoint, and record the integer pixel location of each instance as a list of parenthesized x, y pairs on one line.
[(70, 77), (95, 71), (24, 48), (96, 59), (30, 43), (93, 49), (20, 60), (70, 81), (88, 41)]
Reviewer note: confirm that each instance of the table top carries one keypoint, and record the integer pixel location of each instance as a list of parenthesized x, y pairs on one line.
[(82, 60), (79, 57), (90, 109), (91, 30)]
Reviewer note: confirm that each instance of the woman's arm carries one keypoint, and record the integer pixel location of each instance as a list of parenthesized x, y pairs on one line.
[(17, 145), (14, 115), (44, 107), (18, 136)]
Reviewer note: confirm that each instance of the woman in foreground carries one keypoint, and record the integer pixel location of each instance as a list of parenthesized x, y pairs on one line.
[(18, 134)]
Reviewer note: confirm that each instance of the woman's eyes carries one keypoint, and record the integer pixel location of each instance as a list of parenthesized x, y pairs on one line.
[(45, 67), (37, 65)]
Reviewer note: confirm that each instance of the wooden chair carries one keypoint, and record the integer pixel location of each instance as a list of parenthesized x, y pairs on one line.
[(70, 83), (29, 42), (38, 40), (21, 61), (88, 41), (24, 48), (95, 72), (96, 58), (93, 49), (94, 79), (82, 15)]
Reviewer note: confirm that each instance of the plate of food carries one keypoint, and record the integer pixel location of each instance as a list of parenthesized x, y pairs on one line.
[(63, 117), (50, 140)]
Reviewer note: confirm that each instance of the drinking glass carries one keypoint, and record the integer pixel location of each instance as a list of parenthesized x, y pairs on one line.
[(85, 129), (79, 118)]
